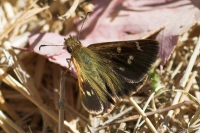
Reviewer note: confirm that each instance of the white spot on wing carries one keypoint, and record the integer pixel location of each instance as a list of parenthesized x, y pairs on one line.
[(92, 92), (130, 59), (122, 69), (119, 49), (88, 93), (138, 46)]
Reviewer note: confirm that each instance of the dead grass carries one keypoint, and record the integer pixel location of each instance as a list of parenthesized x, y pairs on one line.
[(29, 91)]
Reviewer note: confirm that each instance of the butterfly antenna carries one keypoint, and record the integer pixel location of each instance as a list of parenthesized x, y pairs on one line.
[(48, 45), (82, 25)]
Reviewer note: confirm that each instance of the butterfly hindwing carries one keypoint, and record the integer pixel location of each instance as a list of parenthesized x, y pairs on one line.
[(93, 102), (90, 98)]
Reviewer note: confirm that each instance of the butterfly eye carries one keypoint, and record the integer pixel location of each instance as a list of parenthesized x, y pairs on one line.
[(69, 49)]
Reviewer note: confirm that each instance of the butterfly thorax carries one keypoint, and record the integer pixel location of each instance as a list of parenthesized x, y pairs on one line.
[(72, 44)]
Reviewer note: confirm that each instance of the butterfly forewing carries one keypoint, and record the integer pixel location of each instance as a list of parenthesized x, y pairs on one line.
[(112, 71), (129, 60)]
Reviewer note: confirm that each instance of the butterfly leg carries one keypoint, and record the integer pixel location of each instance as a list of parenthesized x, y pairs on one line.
[(69, 65), (69, 60)]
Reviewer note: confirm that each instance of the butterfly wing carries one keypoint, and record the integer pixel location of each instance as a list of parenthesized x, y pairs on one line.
[(95, 97), (112, 71), (130, 61)]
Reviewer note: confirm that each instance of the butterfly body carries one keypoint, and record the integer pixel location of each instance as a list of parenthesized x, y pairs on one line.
[(110, 71)]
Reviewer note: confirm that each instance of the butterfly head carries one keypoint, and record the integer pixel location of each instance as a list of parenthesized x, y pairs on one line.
[(72, 44)]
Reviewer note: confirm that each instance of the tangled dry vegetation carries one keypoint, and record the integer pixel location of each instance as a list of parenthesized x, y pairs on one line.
[(30, 84)]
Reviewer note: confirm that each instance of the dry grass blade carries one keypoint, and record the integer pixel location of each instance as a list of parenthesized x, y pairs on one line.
[(148, 122), (24, 16), (191, 97), (70, 11), (145, 107), (135, 117), (61, 104), (196, 117), (184, 79), (5, 119), (30, 78), (111, 119), (16, 85)]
